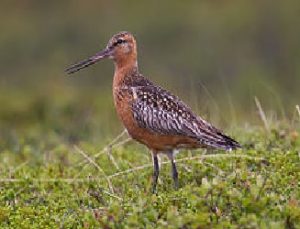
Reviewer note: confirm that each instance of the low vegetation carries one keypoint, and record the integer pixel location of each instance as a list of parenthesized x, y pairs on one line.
[(50, 179), (234, 62)]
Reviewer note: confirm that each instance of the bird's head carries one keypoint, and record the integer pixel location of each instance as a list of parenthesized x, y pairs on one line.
[(121, 48)]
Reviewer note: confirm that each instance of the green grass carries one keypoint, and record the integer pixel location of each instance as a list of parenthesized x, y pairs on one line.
[(257, 187), (48, 182)]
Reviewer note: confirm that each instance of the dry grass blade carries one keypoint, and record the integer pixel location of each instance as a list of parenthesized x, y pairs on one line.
[(109, 152), (141, 167), (210, 96), (91, 161), (298, 110), (217, 156), (113, 143), (221, 172), (262, 114), (117, 138), (112, 159), (12, 171), (112, 195), (52, 180), (119, 143)]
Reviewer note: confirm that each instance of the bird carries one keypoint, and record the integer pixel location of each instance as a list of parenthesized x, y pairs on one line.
[(152, 115)]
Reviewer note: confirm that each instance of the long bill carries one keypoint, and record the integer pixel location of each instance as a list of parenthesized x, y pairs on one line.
[(87, 62)]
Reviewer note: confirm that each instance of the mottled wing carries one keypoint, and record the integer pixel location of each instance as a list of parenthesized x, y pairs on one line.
[(163, 113), (159, 111)]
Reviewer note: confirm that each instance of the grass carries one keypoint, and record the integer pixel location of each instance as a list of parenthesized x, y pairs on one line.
[(254, 188), (50, 179)]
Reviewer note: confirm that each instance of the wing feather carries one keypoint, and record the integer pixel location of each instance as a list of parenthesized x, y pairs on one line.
[(163, 113)]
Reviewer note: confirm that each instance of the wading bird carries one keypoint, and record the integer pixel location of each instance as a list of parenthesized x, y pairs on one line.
[(152, 115)]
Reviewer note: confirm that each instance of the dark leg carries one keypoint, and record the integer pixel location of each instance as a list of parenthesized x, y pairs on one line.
[(175, 175), (155, 172), (174, 170)]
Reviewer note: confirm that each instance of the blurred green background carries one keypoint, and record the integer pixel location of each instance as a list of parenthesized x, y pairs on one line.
[(216, 55)]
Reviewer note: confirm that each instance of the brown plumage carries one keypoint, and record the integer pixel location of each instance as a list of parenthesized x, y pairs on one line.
[(152, 115)]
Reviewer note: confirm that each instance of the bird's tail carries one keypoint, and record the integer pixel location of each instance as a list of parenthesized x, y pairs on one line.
[(227, 143), (216, 139)]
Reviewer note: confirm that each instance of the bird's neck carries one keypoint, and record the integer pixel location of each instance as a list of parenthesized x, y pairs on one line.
[(124, 69)]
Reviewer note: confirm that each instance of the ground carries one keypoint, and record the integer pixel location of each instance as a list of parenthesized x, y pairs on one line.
[(67, 187)]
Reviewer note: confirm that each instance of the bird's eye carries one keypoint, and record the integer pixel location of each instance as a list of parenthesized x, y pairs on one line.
[(120, 41)]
